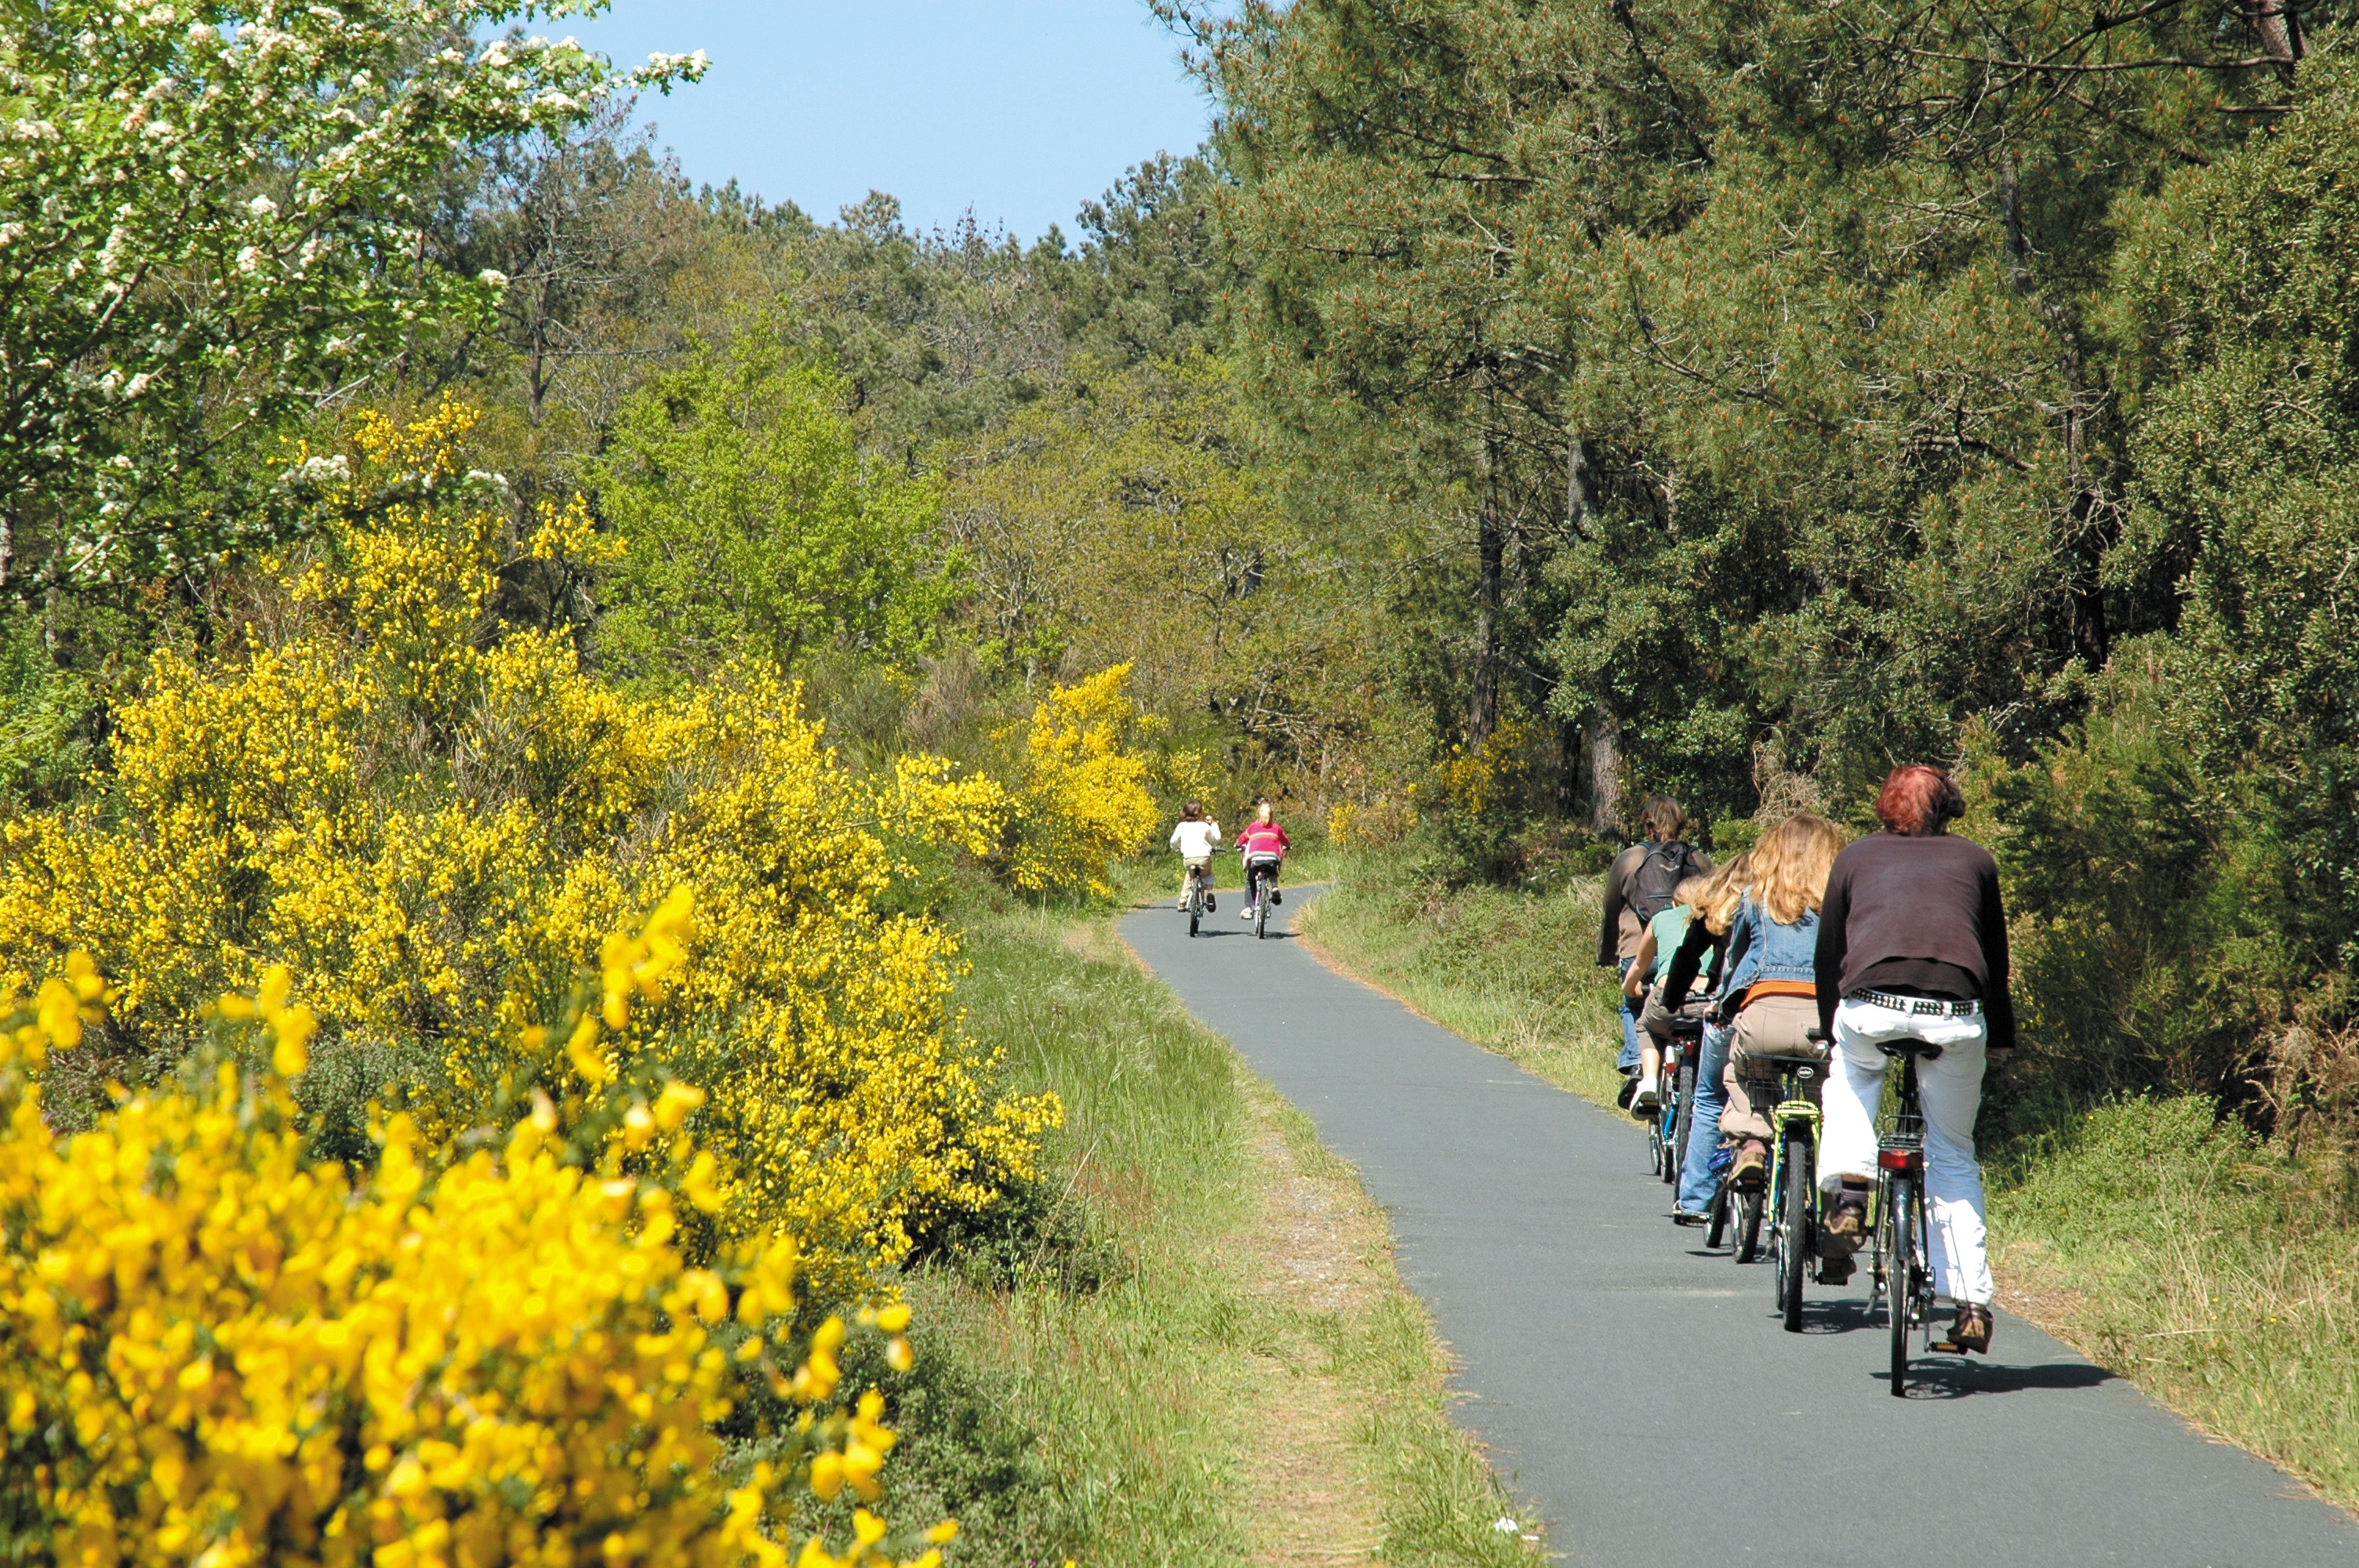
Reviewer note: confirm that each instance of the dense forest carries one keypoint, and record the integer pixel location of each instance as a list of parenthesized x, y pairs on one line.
[(429, 524)]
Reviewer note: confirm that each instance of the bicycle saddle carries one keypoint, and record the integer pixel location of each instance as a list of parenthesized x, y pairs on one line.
[(1909, 1046), (1687, 1028), (1787, 1059)]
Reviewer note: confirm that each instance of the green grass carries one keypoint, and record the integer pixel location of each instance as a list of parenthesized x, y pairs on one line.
[(2208, 1267), (1154, 1402), (1510, 969), (2217, 1273)]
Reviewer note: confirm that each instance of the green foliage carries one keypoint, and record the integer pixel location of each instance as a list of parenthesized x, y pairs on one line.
[(203, 206), (752, 524)]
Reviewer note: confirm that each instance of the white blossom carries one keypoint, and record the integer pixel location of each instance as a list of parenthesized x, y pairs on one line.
[(263, 207), (493, 277)]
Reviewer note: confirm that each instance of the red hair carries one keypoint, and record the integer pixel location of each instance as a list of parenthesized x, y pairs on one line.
[(1918, 799)]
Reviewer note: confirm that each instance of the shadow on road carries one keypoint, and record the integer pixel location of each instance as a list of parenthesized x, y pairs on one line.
[(1954, 1379)]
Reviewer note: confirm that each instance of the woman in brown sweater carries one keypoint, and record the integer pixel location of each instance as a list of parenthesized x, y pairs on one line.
[(1912, 941)]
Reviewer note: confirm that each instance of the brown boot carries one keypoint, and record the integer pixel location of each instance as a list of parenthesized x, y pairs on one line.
[(1751, 1170), (1970, 1331), (1847, 1215)]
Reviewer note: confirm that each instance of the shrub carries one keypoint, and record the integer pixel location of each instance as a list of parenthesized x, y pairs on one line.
[(1082, 802), (429, 822), (220, 1349)]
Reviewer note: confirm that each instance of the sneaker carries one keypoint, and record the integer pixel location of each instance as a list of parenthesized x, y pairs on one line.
[(1276, 898), (1245, 914), (1688, 1216), (1211, 904), (1629, 1089), (1649, 1095)]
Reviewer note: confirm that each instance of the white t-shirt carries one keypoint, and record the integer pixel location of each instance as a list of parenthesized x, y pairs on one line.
[(1196, 841)]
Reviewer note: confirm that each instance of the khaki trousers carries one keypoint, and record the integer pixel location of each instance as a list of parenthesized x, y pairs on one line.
[(1773, 1026)]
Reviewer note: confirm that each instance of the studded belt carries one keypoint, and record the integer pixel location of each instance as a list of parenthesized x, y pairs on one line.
[(1917, 1006)]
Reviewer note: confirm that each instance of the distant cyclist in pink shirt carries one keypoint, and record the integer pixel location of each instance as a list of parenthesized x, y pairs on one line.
[(1262, 846)]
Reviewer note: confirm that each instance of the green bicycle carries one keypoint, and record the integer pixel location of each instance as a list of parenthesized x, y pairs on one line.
[(1793, 1199)]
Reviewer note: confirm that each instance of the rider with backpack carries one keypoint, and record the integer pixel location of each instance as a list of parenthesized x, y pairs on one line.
[(1639, 885)]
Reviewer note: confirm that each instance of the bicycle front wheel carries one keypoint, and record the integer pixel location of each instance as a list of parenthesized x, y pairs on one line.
[(1793, 1230), (1901, 1229)]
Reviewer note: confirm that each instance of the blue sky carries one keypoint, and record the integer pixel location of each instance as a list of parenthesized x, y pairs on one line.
[(1020, 111)]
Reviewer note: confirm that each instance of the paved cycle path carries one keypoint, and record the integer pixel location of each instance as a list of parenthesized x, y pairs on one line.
[(1639, 1391)]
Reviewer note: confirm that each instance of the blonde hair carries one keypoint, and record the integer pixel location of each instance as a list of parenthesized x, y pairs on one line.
[(1690, 890), (1790, 866), (1722, 891)]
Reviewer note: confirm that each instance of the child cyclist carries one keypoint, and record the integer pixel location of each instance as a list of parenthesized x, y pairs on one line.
[(1196, 838), (1262, 846)]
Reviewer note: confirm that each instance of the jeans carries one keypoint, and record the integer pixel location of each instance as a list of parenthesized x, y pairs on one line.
[(1950, 1088), (1711, 1100), (1629, 1059)]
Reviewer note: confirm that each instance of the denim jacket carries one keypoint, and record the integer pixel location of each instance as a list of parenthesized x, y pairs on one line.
[(1772, 951)]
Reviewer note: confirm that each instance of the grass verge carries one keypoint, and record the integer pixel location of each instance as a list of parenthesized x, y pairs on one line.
[(1196, 1349), (2217, 1273)]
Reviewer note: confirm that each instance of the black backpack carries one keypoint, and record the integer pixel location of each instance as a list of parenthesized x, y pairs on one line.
[(1666, 865)]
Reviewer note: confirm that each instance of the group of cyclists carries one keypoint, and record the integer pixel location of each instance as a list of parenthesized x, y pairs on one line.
[(1261, 849), (1765, 1002)]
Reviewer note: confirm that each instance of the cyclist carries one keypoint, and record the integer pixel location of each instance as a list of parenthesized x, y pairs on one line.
[(1642, 983), (1261, 848), (1638, 886), (1709, 949), (1912, 942), (1771, 990), (1196, 838)]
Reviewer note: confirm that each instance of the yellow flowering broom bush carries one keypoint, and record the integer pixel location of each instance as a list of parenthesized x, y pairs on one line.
[(1081, 802), (220, 1350), (430, 821)]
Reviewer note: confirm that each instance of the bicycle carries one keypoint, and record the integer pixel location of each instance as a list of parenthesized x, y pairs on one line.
[(1197, 877), (1261, 876), (1904, 1266), (1673, 1123), (1792, 1198)]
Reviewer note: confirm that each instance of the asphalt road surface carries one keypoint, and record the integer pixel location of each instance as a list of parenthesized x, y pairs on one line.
[(1638, 1389)]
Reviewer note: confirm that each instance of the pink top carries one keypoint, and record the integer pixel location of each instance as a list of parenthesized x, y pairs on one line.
[(1262, 838)]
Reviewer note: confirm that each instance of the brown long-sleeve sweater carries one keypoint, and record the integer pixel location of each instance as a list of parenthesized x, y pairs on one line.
[(1916, 914)]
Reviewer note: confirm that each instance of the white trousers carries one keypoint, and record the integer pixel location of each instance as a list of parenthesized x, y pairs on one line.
[(1950, 1088)]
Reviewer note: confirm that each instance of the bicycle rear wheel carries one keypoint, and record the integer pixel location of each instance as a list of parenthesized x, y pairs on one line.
[(1674, 1123), (1748, 1223), (1901, 1229), (1687, 1109), (1261, 911), (1715, 1231), (1794, 1237), (1195, 908)]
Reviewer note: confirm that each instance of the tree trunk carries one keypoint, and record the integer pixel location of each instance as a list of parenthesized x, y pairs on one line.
[(1603, 734), (1490, 551), (1576, 487), (2279, 40)]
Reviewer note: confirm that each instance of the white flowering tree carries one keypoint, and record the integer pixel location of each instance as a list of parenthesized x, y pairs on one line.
[(210, 223)]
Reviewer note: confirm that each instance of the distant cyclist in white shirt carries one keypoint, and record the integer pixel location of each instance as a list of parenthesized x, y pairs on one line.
[(1196, 838)]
